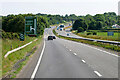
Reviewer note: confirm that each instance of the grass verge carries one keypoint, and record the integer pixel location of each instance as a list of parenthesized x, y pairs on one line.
[(100, 35), (104, 45), (9, 62)]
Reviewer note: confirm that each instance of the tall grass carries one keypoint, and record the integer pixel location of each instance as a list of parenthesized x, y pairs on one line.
[(7, 63)]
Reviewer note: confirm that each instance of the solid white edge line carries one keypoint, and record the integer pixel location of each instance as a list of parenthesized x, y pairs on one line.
[(96, 72), (83, 61), (38, 63)]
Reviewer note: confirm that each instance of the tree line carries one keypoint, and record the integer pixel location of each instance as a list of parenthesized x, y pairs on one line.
[(96, 22), (16, 23)]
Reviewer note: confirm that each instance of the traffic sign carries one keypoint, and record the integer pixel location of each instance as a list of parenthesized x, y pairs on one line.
[(31, 25), (22, 37)]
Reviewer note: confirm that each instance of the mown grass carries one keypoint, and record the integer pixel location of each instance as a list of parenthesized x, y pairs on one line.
[(104, 45), (8, 63), (100, 35)]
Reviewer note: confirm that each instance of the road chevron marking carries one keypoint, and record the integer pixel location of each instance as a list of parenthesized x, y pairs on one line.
[(96, 72), (38, 63)]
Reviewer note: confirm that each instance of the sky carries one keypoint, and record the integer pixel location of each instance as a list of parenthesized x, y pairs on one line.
[(61, 7)]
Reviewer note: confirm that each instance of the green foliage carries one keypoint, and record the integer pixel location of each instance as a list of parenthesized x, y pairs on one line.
[(97, 22), (42, 23), (80, 29), (80, 23), (89, 33), (94, 33), (13, 23), (9, 35)]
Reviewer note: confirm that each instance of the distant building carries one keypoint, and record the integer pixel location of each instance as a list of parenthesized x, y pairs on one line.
[(116, 26)]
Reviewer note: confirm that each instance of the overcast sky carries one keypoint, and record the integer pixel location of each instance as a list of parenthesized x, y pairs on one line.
[(62, 7)]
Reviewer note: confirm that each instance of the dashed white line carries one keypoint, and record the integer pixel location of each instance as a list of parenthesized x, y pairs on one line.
[(75, 54), (99, 50), (38, 63), (83, 61), (96, 72)]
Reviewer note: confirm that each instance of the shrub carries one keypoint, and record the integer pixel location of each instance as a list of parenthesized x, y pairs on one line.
[(89, 33), (80, 29), (94, 33), (15, 35), (9, 35)]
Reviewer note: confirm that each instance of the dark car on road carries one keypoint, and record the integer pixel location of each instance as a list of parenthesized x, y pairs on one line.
[(54, 37), (68, 34), (50, 37)]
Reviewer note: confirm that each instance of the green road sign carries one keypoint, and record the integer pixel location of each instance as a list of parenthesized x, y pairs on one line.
[(31, 25), (22, 37)]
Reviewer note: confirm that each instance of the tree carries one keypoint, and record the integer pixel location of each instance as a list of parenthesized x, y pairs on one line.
[(80, 29), (80, 23)]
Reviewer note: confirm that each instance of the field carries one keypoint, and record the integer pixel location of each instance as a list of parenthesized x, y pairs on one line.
[(9, 62), (101, 35)]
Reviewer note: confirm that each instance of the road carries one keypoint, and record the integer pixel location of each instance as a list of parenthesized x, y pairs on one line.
[(67, 31), (67, 59)]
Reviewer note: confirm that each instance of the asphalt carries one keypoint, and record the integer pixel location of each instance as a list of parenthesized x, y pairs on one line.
[(101, 60), (69, 59), (59, 62)]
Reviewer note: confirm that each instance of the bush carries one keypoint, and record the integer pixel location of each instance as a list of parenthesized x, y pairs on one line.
[(15, 35), (89, 33), (9, 35), (94, 33), (80, 29)]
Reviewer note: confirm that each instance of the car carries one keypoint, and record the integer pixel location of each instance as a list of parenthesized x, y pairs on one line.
[(68, 34), (50, 37), (54, 37), (61, 29), (61, 26)]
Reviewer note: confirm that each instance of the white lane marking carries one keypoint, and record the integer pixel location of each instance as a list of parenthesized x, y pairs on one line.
[(96, 72), (100, 50), (70, 50), (75, 54), (38, 63), (83, 61)]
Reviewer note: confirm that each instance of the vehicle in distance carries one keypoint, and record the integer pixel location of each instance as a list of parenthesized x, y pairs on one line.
[(50, 37), (68, 34), (54, 37), (61, 29), (61, 26)]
